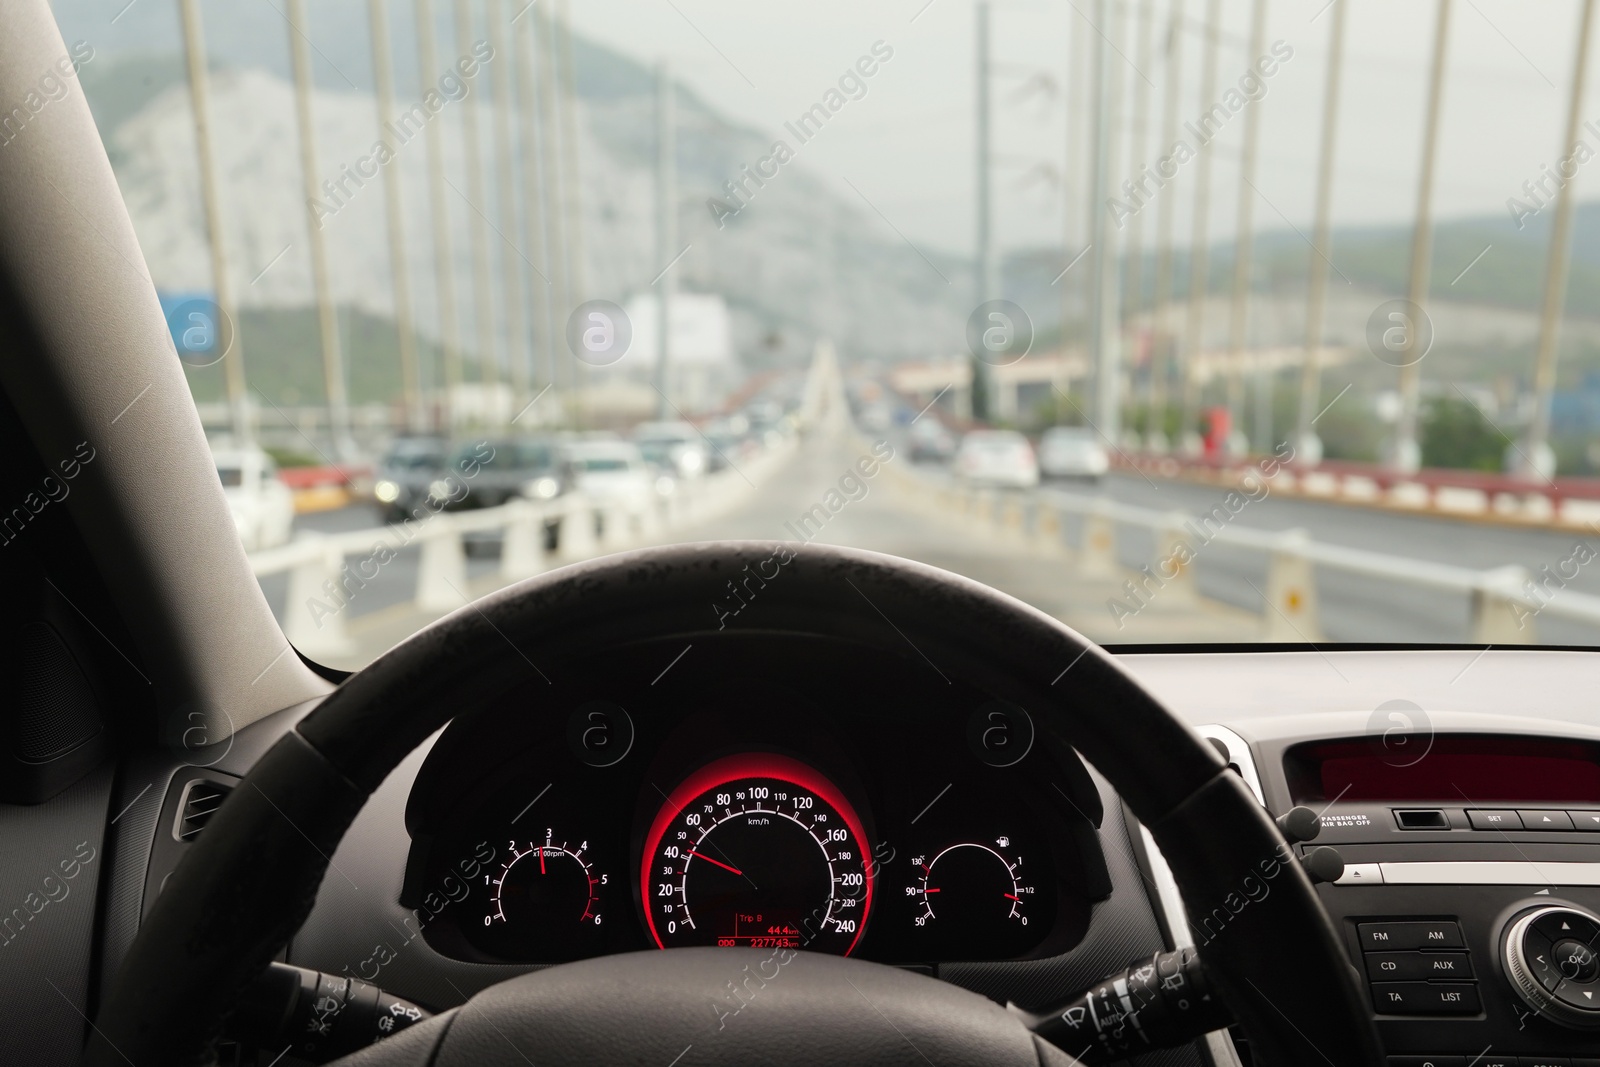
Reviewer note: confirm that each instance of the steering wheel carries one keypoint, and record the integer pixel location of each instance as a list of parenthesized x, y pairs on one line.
[(1270, 950)]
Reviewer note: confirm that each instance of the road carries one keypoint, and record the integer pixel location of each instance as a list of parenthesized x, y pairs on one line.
[(890, 512)]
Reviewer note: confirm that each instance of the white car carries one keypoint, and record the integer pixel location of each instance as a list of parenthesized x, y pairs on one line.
[(262, 506), (1072, 452), (997, 457), (675, 447), (610, 473)]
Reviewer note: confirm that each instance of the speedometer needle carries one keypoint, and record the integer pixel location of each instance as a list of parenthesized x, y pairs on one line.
[(719, 863)]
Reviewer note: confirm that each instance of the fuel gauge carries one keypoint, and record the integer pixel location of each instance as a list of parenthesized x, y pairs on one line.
[(975, 894)]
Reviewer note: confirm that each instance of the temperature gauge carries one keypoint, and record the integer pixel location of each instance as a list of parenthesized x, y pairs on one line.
[(547, 898)]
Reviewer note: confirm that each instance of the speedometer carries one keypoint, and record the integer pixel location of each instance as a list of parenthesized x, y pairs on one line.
[(757, 850)]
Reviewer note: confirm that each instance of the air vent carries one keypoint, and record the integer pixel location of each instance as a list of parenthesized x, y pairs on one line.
[(201, 799)]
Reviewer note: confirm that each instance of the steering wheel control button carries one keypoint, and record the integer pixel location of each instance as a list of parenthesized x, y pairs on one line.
[(1499, 819), (1552, 963), (1379, 937), (1425, 998), (600, 733), (1396, 966), (1360, 874), (1541, 819)]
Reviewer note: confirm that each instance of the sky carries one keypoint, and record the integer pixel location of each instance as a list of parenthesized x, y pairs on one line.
[(905, 149), (908, 145)]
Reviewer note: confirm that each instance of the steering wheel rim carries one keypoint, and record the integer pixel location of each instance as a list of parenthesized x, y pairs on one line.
[(251, 880)]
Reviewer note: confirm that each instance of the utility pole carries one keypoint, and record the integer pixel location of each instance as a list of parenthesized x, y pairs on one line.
[(383, 75), (194, 46), (1244, 247), (1307, 445), (572, 186), (1138, 140), (1536, 460), (1104, 320), (666, 228), (561, 299), (1406, 454), (1071, 187), (477, 195), (987, 280), (540, 294), (439, 209), (1199, 250), (327, 315), (578, 266), (1160, 337), (505, 107)]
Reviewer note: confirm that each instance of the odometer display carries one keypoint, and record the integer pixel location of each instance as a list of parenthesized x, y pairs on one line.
[(756, 850)]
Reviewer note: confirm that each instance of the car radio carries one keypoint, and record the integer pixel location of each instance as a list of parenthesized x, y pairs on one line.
[(1469, 898)]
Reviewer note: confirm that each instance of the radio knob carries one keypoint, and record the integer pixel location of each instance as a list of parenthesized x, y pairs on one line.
[(1552, 957)]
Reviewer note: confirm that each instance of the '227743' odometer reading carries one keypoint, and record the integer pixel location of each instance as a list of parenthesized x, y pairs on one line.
[(757, 850)]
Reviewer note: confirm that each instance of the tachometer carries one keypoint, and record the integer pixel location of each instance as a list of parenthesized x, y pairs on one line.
[(757, 850)]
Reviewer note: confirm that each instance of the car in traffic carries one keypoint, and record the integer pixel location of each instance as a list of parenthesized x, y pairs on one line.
[(405, 474), (674, 447), (997, 458), (488, 472), (931, 441), (1073, 452), (262, 506)]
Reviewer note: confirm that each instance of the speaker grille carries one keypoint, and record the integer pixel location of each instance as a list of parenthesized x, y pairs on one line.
[(56, 708)]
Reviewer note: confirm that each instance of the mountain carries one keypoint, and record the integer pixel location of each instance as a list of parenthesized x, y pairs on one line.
[(799, 263)]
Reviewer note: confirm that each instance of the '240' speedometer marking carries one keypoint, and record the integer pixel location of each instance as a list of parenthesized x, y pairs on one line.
[(784, 863)]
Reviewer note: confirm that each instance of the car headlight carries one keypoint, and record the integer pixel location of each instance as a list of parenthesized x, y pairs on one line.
[(439, 490), (386, 491), (692, 461), (541, 488), (665, 485)]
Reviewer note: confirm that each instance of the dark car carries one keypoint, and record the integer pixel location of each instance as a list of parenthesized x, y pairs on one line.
[(486, 473), (404, 474)]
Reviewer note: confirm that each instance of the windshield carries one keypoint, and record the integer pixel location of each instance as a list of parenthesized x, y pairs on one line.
[(1305, 292)]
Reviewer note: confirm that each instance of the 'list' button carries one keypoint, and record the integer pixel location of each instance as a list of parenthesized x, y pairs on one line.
[(1425, 998)]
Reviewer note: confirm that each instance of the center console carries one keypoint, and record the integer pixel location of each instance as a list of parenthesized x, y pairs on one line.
[(1469, 900)]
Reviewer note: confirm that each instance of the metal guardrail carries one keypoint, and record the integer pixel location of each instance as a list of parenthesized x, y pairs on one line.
[(1504, 601), (322, 580)]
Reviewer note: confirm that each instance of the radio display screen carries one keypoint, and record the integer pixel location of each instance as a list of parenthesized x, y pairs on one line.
[(1470, 770)]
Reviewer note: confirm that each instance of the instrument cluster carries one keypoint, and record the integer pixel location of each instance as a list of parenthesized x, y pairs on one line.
[(914, 823)]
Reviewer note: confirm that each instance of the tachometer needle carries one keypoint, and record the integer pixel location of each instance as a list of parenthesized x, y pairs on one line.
[(541, 861), (719, 863)]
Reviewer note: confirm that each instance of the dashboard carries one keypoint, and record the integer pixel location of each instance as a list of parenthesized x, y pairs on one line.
[(741, 799), (536, 829)]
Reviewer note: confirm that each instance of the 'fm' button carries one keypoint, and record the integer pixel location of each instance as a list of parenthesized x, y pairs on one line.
[(1381, 937)]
